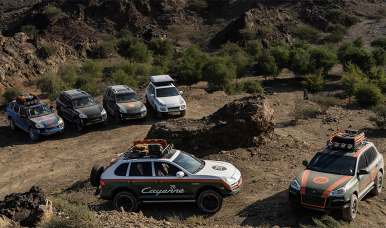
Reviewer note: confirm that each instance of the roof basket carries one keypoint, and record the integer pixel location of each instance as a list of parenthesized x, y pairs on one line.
[(149, 148), (27, 99), (349, 140)]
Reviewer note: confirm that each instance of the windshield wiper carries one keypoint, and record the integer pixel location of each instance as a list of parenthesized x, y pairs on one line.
[(201, 167)]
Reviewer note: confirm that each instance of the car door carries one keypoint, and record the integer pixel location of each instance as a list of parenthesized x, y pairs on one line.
[(364, 179), (67, 108), (23, 116), (141, 180), (150, 97), (372, 163), (111, 103), (169, 185), (17, 118)]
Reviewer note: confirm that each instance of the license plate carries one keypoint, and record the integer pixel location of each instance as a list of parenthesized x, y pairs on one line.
[(173, 110)]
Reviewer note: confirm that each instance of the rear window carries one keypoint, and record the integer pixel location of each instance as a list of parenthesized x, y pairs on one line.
[(140, 169), (121, 170)]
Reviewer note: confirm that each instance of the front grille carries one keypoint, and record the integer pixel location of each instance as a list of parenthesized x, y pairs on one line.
[(173, 109), (51, 128), (313, 200), (92, 120)]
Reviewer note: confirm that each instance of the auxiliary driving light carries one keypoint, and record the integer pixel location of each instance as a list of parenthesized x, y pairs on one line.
[(342, 145), (336, 144)]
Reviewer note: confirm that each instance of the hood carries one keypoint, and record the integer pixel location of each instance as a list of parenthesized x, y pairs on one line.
[(131, 106), (91, 111), (320, 184), (48, 121), (171, 101), (217, 168)]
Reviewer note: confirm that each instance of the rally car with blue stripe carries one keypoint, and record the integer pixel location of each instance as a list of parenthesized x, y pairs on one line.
[(28, 113)]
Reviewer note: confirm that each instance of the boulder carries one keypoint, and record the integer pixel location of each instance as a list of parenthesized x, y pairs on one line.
[(41, 213), (20, 37), (2, 74), (7, 223)]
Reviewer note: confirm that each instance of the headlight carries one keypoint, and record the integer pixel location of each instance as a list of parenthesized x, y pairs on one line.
[(143, 108), (295, 185), (183, 106), (182, 102), (228, 180), (39, 126), (82, 116), (122, 111), (103, 112), (338, 192), (60, 121)]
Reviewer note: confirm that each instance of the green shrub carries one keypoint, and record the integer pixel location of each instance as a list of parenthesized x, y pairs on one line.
[(30, 30), (299, 61), (359, 42), (132, 49), (379, 17), (241, 60), (265, 30), (281, 55), (230, 49), (277, 43), (124, 33), (198, 38), (248, 34), (198, 5), (196, 220), (352, 20), (337, 29), (342, 50), (325, 102), (156, 70), (161, 47), (48, 50), (87, 84), (70, 74), (307, 33), (250, 86), (93, 68), (367, 95), (322, 58), (176, 32), (358, 56), (218, 72), (380, 116), (334, 38), (300, 44), (11, 93), (266, 65), (161, 61), (107, 37), (379, 42), (51, 84), (53, 13), (219, 21), (314, 83), (378, 77), (379, 55), (126, 67), (253, 48), (335, 12), (352, 78), (143, 69), (120, 77), (106, 49)]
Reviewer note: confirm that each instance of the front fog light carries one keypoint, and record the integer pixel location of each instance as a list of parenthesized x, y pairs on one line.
[(60, 121), (183, 106)]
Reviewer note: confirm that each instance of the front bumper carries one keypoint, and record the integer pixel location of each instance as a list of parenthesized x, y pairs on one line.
[(49, 131), (317, 202), (235, 189), (164, 109), (94, 120), (131, 116)]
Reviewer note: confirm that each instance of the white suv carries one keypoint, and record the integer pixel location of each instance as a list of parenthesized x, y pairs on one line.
[(163, 96)]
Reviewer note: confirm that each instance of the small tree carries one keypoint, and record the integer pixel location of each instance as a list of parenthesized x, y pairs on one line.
[(342, 50), (352, 20), (69, 74), (199, 38), (336, 28), (107, 37), (380, 116), (325, 102), (132, 49), (322, 58), (48, 50), (53, 13), (351, 78), (87, 84), (299, 62), (266, 65), (281, 55), (11, 93), (241, 61), (379, 55), (94, 68), (367, 95), (359, 42), (230, 49), (379, 42), (106, 49), (30, 30), (122, 78), (335, 12), (218, 72), (314, 83), (161, 47), (250, 86), (248, 34), (378, 77), (51, 84), (307, 33), (176, 32), (126, 67), (253, 48), (162, 62), (357, 56)]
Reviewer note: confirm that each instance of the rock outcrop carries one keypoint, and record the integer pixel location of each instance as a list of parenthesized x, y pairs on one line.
[(242, 123)]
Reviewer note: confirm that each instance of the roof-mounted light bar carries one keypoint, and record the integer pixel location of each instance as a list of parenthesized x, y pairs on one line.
[(349, 134)]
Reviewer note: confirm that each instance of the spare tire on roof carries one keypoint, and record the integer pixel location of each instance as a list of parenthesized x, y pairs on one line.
[(342, 138), (95, 175)]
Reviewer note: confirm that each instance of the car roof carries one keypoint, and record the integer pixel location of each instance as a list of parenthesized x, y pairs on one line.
[(121, 89), (76, 93), (347, 153), (161, 78), (173, 153)]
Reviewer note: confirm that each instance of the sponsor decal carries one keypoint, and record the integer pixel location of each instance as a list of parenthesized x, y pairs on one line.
[(219, 168), (320, 180), (131, 105), (47, 120), (372, 179), (173, 189), (34, 106)]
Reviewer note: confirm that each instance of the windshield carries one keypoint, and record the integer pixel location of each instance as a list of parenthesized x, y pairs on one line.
[(167, 92), (38, 110), (83, 102), (126, 97), (336, 164), (189, 162)]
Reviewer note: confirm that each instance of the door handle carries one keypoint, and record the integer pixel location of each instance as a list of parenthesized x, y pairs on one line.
[(158, 182), (131, 181)]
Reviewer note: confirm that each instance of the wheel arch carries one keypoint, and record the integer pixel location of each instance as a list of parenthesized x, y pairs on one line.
[(121, 189), (206, 188)]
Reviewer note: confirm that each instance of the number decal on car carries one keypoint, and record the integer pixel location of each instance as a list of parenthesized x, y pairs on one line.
[(320, 180), (172, 189)]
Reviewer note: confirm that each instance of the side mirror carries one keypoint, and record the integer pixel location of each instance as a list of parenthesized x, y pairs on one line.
[(180, 174), (181, 92), (152, 95), (364, 171), (97, 101), (305, 162)]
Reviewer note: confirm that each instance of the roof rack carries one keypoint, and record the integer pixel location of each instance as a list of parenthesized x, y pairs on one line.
[(151, 148), (71, 94), (348, 140), (27, 99), (115, 89)]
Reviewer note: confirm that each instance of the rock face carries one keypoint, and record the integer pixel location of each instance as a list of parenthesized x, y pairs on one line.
[(28, 209), (243, 123)]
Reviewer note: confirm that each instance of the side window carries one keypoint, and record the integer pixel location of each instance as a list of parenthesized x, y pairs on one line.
[(67, 101), (121, 170), (11, 106), (362, 163), (111, 96), (151, 89), (16, 108), (108, 93), (140, 169), (369, 155), (165, 169), (22, 112)]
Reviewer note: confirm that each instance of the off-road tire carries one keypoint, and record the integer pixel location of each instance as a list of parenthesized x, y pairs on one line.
[(104, 123), (12, 124), (378, 184), (158, 114), (61, 132), (350, 212), (59, 112), (95, 175), (126, 200), (77, 127), (183, 113), (346, 140), (32, 135), (148, 103), (294, 206), (210, 201), (117, 120)]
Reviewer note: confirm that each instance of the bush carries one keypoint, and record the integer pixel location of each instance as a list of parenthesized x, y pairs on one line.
[(250, 86), (51, 84), (156, 70), (120, 77), (379, 17), (266, 65), (143, 69), (106, 49), (380, 118), (277, 43), (176, 32), (248, 34), (219, 21), (265, 30), (70, 74), (322, 58), (342, 50), (357, 56), (48, 50), (162, 62), (307, 33), (300, 44), (241, 61), (379, 42), (161, 47), (337, 29), (367, 95), (314, 83), (301, 110), (334, 38), (53, 13), (352, 20), (352, 78), (299, 61), (378, 77), (11, 93), (253, 48), (335, 12), (107, 37), (198, 5), (230, 49), (281, 55), (93, 68), (379, 55), (126, 67), (30, 30), (199, 38), (359, 42), (192, 62), (325, 102), (218, 72), (124, 33), (87, 84), (132, 49)]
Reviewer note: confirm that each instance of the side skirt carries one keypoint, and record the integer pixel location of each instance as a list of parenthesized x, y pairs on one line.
[(169, 201), (368, 190)]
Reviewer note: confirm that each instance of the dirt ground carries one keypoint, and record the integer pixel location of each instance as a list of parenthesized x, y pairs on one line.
[(60, 164)]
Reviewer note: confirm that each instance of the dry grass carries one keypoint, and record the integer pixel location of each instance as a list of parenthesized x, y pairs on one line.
[(295, 139), (196, 220), (175, 219)]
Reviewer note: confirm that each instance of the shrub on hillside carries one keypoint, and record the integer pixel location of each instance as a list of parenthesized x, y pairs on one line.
[(335, 12), (300, 44), (218, 72), (314, 83), (94, 68), (352, 20), (380, 116), (266, 65), (53, 13), (105, 50), (248, 34), (253, 48), (87, 84), (342, 50), (336, 28), (126, 67), (11, 93), (120, 77), (48, 50), (198, 38), (379, 42), (132, 49), (69, 74), (367, 95), (30, 30), (300, 110), (251, 86), (325, 103), (198, 5), (161, 47), (334, 38), (359, 42), (378, 77), (307, 33), (107, 37), (123, 33), (379, 55), (51, 84), (176, 32), (230, 49), (351, 79), (241, 60), (322, 58), (162, 62)]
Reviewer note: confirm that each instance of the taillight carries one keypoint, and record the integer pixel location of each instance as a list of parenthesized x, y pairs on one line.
[(102, 183)]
